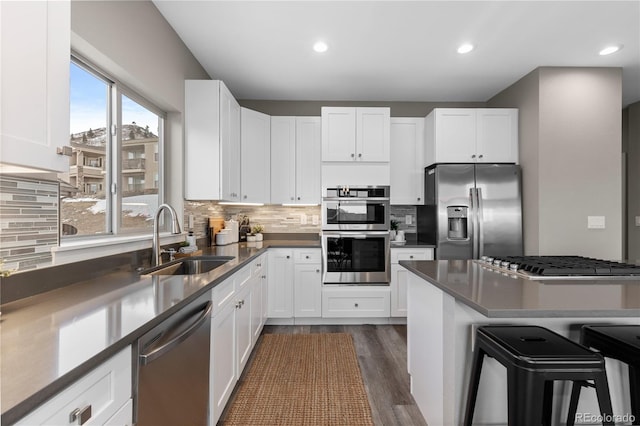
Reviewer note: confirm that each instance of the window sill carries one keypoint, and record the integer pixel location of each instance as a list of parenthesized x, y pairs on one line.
[(76, 251)]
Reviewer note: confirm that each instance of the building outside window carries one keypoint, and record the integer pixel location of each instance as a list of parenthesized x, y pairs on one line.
[(113, 185)]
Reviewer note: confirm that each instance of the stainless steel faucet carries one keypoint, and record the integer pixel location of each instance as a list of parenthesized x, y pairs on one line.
[(175, 229)]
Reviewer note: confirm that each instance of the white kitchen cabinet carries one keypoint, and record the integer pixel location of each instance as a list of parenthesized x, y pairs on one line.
[(222, 372), (355, 301), (124, 416), (255, 137), (307, 290), (236, 322), (34, 73), (296, 149), (399, 276), (471, 135), (105, 391), (355, 134), (407, 161), (211, 142), (280, 283)]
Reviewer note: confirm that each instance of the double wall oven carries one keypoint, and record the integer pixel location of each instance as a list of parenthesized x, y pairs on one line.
[(355, 235)]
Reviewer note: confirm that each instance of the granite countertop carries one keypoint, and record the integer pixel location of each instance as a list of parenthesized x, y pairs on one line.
[(51, 340), (502, 295)]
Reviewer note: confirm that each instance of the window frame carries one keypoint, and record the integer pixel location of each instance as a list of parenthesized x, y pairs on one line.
[(113, 150)]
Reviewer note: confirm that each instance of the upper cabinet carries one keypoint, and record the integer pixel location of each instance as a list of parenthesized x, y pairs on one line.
[(355, 134), (212, 142), (471, 135), (34, 76), (255, 135), (295, 160), (407, 161)]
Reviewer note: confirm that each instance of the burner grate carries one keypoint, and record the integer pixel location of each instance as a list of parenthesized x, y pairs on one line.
[(570, 266)]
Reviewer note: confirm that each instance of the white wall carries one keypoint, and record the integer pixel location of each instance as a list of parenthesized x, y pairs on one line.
[(633, 179), (132, 41), (571, 152)]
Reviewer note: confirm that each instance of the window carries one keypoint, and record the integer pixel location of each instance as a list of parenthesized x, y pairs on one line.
[(113, 185)]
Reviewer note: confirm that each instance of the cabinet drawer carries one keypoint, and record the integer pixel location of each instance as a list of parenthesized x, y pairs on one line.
[(222, 294), (105, 390), (124, 416), (307, 256), (242, 277), (258, 265), (339, 303), (398, 254)]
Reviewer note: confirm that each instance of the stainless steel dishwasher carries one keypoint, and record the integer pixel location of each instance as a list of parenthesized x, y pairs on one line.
[(173, 369)]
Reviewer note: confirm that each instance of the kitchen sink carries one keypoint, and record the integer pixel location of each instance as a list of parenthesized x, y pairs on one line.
[(188, 266)]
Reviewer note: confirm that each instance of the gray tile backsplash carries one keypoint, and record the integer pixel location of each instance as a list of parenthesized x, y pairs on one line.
[(275, 218), (28, 221)]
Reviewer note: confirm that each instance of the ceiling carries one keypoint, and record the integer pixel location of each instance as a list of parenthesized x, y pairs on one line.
[(401, 50)]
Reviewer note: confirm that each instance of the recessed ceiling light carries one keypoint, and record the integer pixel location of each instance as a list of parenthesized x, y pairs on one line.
[(320, 47), (610, 49), (465, 48)]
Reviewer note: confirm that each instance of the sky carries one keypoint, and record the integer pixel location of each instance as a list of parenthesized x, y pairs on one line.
[(89, 104)]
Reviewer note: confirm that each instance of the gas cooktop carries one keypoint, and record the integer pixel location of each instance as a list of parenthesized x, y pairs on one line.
[(539, 267)]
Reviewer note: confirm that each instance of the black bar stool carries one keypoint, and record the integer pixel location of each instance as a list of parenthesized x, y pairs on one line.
[(621, 342), (534, 358)]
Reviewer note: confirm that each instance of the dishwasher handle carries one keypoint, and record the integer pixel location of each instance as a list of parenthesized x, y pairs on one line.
[(158, 352)]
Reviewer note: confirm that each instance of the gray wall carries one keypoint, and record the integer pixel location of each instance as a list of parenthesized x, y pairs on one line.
[(132, 41), (632, 149), (572, 160), (312, 108)]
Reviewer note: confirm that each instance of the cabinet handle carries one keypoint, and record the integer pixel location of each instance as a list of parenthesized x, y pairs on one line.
[(317, 271), (473, 156), (360, 155), (245, 197), (80, 416), (259, 265), (292, 198), (356, 305), (353, 155), (480, 156), (288, 257), (264, 277), (410, 257), (298, 198), (418, 198), (306, 257)]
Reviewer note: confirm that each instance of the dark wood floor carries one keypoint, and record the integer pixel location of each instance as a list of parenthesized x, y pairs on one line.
[(382, 353)]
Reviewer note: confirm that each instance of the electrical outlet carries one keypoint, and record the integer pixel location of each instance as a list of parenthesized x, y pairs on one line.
[(408, 219), (303, 219), (595, 222), (315, 219)]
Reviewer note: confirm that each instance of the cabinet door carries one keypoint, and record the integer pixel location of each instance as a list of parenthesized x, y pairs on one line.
[(398, 291), (202, 139), (372, 134), (454, 135), (407, 161), (255, 135), (264, 283), (338, 134), (256, 308), (497, 135), (244, 336), (34, 73), (283, 160), (229, 145), (308, 160), (223, 375), (307, 290), (280, 298)]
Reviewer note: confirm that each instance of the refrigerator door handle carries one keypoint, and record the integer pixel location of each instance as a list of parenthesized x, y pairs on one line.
[(473, 222), (480, 219)]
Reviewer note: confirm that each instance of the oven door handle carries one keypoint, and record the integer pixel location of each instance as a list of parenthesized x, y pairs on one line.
[(352, 234)]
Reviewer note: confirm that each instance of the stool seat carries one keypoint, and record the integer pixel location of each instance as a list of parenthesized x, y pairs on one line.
[(534, 357), (621, 342)]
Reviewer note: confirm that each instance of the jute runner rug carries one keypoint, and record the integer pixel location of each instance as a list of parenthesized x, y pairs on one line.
[(302, 379)]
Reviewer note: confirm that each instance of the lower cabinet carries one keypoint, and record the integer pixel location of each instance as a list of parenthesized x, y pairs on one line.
[(355, 302), (103, 395), (295, 283), (399, 276), (237, 320)]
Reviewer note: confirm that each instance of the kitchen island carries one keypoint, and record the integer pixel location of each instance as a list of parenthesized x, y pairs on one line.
[(448, 299)]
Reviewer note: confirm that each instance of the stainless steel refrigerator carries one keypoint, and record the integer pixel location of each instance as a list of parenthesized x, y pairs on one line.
[(472, 210)]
